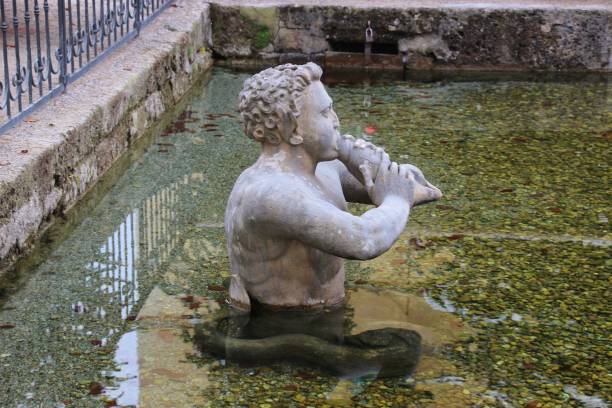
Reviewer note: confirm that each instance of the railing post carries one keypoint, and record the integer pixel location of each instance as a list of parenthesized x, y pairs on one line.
[(40, 69), (6, 88), (17, 78), (48, 62), (29, 73), (369, 39), (63, 61), (138, 17)]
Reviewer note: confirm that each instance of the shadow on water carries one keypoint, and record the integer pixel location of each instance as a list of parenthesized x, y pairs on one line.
[(334, 76), (350, 76), (195, 346), (316, 339)]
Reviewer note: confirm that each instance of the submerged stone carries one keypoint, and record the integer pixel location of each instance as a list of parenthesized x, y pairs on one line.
[(527, 285)]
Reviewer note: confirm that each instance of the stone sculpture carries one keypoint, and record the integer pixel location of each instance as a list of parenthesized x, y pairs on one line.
[(287, 224)]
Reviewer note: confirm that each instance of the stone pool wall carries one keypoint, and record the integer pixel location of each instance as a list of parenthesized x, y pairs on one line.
[(492, 36), (50, 160)]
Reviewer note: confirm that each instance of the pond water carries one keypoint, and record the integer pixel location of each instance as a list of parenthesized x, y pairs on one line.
[(506, 278)]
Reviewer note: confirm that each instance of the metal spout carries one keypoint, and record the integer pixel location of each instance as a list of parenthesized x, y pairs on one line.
[(369, 39), (404, 63)]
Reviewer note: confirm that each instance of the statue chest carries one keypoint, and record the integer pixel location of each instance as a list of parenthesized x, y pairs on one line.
[(329, 188)]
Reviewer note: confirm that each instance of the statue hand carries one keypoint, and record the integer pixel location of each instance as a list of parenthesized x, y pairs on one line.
[(391, 180), (424, 191)]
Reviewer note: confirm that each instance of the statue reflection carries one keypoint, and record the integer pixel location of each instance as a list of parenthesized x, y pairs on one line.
[(312, 338)]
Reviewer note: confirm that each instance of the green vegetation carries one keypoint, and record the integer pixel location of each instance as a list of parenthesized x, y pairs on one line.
[(262, 37)]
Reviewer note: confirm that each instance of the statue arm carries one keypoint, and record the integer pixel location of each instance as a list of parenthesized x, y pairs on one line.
[(319, 224), (352, 186), (288, 211)]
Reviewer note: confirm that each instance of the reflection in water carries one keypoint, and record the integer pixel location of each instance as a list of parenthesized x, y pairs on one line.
[(126, 358), (149, 232), (310, 338), (153, 370), (380, 333), (71, 315)]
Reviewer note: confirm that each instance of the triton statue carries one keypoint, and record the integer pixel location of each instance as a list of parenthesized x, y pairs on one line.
[(287, 223)]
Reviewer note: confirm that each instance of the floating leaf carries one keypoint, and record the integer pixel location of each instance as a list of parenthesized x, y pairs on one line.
[(95, 388)]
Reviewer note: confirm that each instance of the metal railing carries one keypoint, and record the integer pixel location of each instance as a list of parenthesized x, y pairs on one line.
[(44, 48)]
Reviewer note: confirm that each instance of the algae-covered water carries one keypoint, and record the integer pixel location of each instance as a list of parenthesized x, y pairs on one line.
[(506, 278)]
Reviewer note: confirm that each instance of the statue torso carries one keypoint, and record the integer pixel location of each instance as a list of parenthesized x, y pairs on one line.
[(276, 270)]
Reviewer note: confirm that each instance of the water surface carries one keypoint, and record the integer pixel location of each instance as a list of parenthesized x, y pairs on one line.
[(509, 274)]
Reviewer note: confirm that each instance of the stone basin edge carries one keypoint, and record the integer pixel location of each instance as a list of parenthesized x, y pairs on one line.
[(521, 36)]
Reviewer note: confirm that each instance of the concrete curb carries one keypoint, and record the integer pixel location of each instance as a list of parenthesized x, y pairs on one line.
[(49, 161)]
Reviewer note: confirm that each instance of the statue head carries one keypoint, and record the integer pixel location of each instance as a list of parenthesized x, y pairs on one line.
[(271, 102)]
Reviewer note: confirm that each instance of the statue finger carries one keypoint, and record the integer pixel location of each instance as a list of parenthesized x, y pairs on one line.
[(415, 169), (383, 155), (385, 162), (367, 176), (360, 144), (411, 178), (394, 169), (417, 173)]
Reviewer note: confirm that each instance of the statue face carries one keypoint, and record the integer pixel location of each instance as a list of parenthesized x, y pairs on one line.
[(318, 124)]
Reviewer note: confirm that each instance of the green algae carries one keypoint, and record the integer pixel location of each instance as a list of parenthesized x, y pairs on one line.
[(262, 38), (540, 309), (513, 156), (263, 23), (522, 164)]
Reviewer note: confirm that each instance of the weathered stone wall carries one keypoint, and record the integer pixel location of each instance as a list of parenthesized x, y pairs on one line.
[(462, 37), (48, 162)]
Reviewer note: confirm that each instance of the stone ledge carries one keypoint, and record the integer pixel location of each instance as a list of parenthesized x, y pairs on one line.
[(514, 4), (51, 159), (526, 35)]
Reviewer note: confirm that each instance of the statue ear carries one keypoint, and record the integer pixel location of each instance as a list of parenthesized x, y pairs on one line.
[(288, 128), (296, 140)]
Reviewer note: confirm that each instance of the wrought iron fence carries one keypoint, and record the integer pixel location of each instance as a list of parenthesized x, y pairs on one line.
[(45, 47)]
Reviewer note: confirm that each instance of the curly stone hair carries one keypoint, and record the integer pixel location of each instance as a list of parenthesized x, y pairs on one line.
[(271, 100)]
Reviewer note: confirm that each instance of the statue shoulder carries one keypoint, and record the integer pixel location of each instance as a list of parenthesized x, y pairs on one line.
[(261, 182), (263, 196)]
